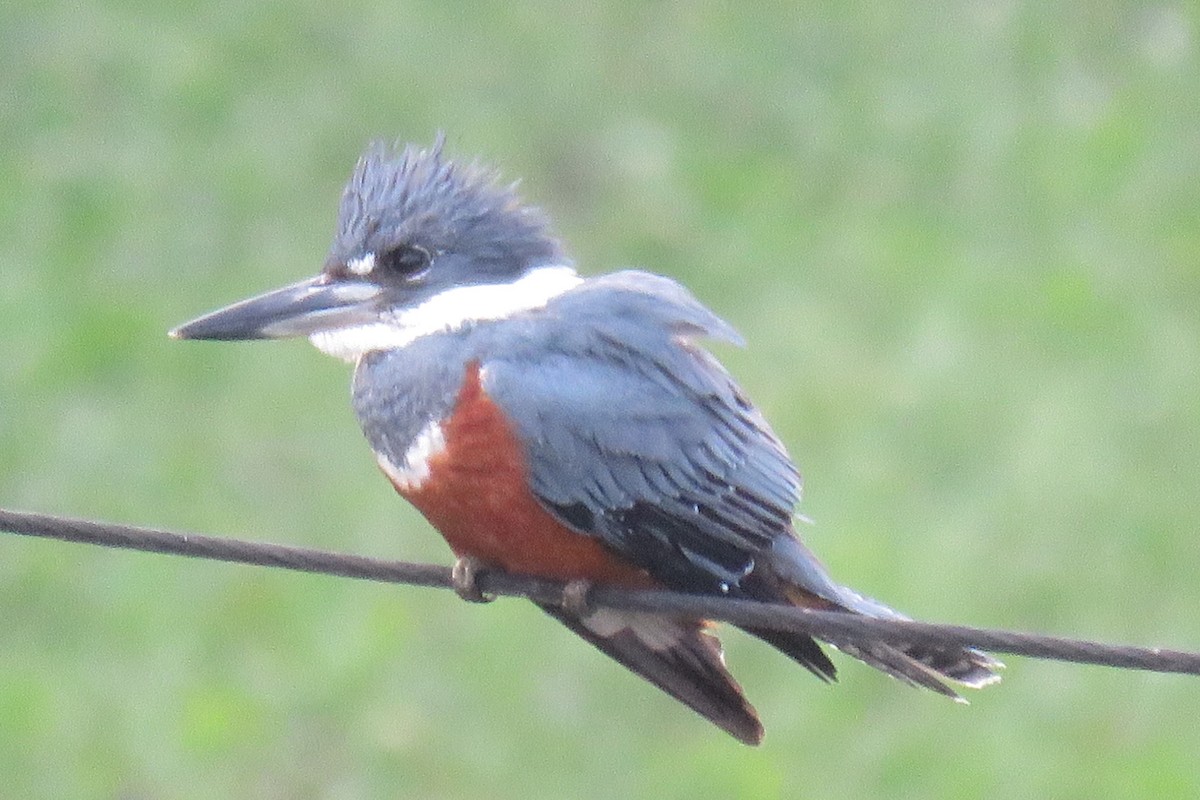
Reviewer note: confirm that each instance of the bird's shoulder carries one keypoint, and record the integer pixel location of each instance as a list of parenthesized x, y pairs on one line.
[(643, 300)]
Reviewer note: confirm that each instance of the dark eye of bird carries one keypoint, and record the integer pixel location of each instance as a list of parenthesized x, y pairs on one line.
[(404, 261)]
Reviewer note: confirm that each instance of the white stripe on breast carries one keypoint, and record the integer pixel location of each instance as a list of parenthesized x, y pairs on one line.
[(411, 474)]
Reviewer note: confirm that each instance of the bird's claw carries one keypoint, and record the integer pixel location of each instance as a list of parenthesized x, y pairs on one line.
[(576, 598), (464, 578)]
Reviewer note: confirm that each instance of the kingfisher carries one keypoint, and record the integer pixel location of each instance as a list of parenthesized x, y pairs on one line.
[(565, 427)]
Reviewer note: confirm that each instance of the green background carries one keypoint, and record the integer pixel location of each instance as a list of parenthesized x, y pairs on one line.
[(962, 241)]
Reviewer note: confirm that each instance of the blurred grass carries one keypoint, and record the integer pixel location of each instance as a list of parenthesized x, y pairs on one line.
[(961, 240)]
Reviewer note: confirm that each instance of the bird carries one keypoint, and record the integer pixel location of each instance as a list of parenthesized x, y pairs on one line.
[(566, 427)]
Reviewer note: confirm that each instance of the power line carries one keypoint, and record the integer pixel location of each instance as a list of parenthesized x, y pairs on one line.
[(822, 624)]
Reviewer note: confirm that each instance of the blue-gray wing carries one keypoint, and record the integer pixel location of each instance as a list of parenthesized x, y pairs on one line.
[(637, 436)]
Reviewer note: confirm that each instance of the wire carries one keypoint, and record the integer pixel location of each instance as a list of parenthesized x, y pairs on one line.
[(821, 624)]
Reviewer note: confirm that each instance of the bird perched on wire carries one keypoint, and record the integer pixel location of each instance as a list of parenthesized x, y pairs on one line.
[(565, 427)]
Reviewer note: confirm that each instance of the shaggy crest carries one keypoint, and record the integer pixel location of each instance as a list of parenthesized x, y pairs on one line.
[(417, 196)]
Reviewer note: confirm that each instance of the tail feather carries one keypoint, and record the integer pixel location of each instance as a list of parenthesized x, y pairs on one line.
[(920, 665), (916, 665), (900, 665), (801, 648), (686, 662), (675, 655), (793, 574), (964, 665)]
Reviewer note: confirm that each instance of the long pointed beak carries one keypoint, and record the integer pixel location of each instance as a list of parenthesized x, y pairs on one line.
[(302, 309)]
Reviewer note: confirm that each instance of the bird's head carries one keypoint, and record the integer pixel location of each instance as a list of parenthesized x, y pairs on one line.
[(423, 245)]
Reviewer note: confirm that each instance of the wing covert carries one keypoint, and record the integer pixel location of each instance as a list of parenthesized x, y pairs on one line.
[(636, 435)]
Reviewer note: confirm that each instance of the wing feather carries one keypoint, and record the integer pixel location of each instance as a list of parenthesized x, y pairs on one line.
[(639, 437)]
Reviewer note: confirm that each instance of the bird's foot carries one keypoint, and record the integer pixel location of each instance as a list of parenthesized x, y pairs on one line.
[(576, 598), (464, 578)]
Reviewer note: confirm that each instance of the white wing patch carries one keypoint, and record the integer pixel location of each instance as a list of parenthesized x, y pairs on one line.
[(362, 265), (411, 475), (657, 632), (447, 311)]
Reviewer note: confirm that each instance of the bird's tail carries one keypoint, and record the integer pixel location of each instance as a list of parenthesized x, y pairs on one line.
[(918, 664), (807, 584)]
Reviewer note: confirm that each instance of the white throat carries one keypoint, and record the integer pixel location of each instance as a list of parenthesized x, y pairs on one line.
[(448, 311)]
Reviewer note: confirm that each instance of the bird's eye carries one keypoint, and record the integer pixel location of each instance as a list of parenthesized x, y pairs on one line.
[(406, 261)]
